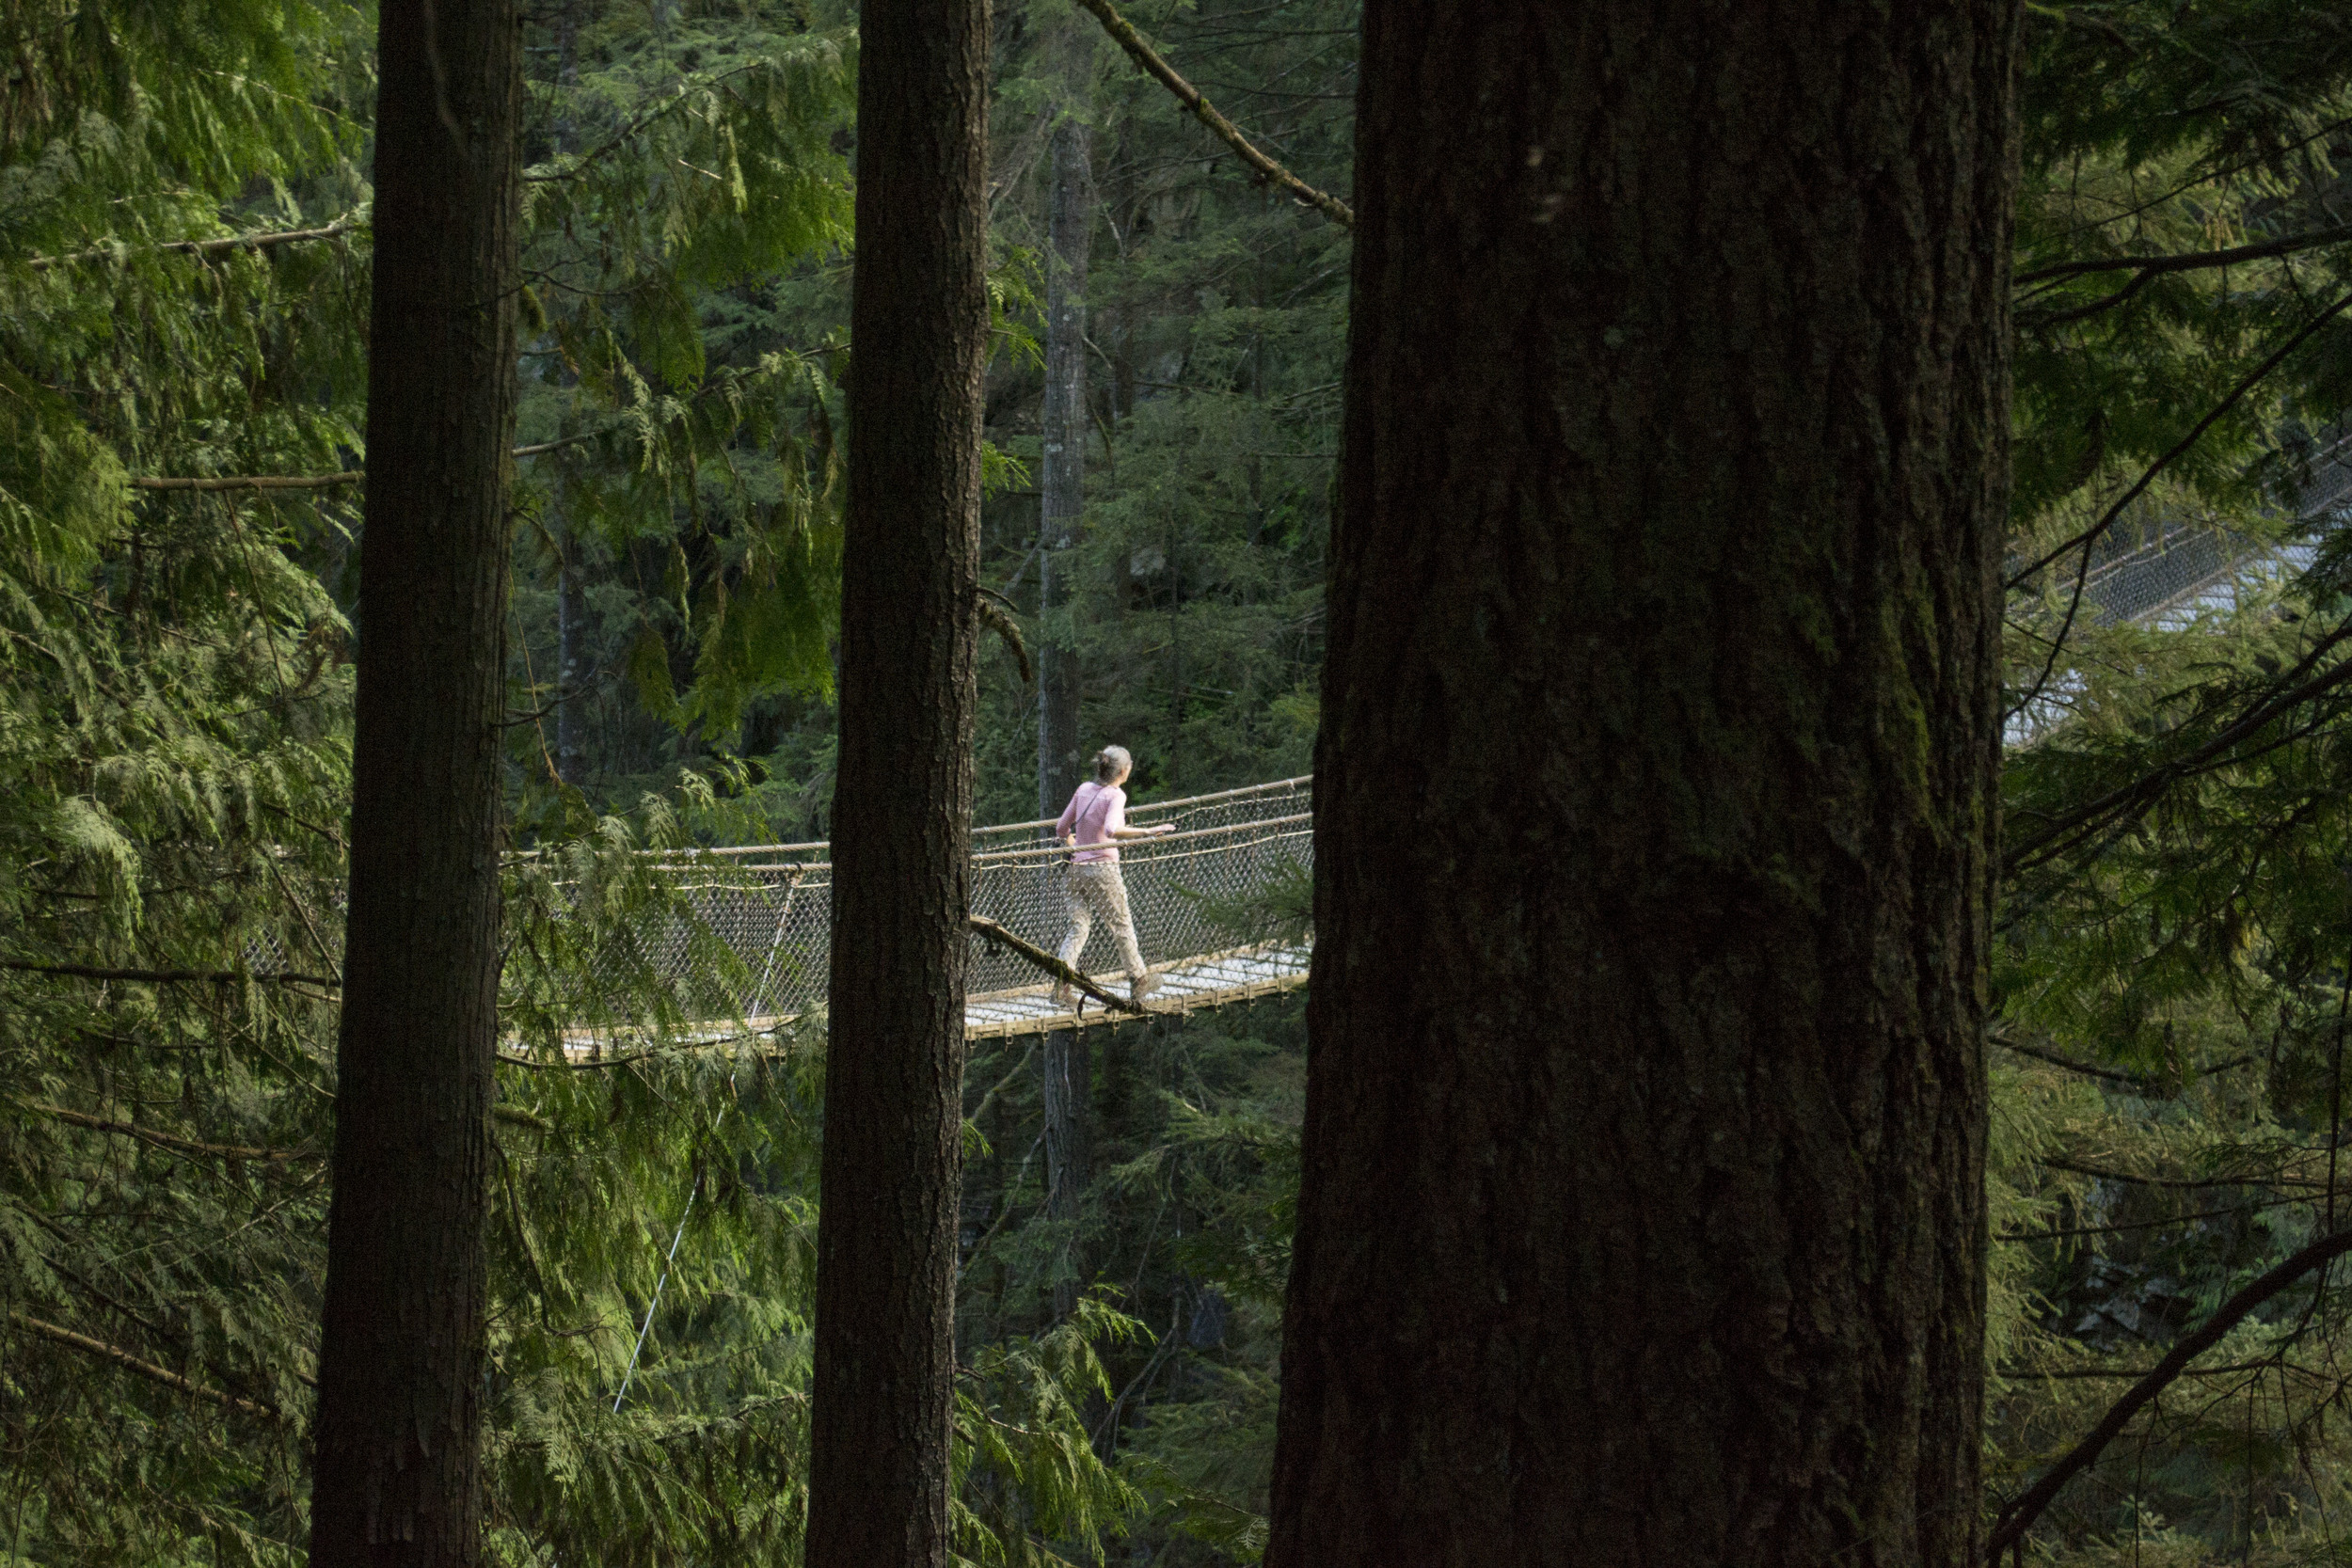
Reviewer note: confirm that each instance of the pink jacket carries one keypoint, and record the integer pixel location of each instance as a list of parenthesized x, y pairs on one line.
[(1095, 812)]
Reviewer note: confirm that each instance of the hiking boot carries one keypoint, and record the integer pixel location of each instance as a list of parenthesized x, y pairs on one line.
[(1061, 995), (1141, 987)]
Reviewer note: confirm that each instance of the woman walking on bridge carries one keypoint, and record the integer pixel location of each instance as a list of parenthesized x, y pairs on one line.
[(1095, 821)]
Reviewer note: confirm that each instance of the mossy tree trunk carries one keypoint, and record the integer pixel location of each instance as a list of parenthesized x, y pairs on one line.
[(401, 1360), (1642, 1217), (884, 1358)]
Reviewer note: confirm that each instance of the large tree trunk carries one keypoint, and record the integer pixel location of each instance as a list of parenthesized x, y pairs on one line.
[(400, 1368), (571, 582), (887, 1243), (1070, 213), (1068, 1077), (571, 659), (1061, 482), (1642, 1215)]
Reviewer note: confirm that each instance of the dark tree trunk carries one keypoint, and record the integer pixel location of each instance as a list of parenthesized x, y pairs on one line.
[(887, 1244), (1642, 1215), (1070, 225), (1062, 479), (571, 584), (400, 1367), (1068, 1101), (571, 661)]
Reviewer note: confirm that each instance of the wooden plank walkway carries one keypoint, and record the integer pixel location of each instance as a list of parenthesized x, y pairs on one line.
[(1186, 985)]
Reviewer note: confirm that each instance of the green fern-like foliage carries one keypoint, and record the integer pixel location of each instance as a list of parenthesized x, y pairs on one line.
[(174, 696), (175, 689), (686, 168)]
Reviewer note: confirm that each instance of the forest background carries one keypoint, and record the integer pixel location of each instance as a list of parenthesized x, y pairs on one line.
[(184, 231)]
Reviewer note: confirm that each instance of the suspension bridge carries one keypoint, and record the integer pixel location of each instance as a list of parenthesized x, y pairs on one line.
[(1194, 893)]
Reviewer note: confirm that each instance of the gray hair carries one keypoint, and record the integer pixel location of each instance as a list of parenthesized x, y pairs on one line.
[(1110, 762)]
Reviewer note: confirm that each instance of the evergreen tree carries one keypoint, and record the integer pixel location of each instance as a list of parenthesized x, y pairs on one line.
[(397, 1475), (885, 1354)]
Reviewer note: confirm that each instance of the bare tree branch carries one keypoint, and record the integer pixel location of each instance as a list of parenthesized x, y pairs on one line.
[(148, 1369), (1189, 96), (993, 932), (206, 247), (251, 482), (1002, 1084), (170, 1141), (2191, 260)]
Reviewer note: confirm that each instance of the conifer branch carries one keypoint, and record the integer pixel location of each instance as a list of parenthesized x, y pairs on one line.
[(2055, 1059), (537, 447), (171, 977), (318, 482), (224, 243), (145, 1368), (2291, 690), (681, 96), (2253, 378), (2090, 537), (516, 1058), (2133, 1080), (170, 1141), (2019, 1516), (1190, 97), (251, 482), (2183, 1183)]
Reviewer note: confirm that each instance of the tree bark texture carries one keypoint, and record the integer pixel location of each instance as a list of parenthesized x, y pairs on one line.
[(401, 1361), (887, 1244), (1641, 1218), (1068, 1081), (1061, 479), (571, 660), (571, 584)]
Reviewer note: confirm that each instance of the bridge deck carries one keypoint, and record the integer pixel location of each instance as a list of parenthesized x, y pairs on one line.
[(1210, 980), (1186, 985)]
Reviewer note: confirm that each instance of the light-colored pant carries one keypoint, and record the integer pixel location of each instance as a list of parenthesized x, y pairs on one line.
[(1095, 891)]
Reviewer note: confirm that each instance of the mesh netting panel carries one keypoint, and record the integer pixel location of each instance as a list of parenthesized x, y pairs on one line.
[(2165, 571), (774, 915)]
